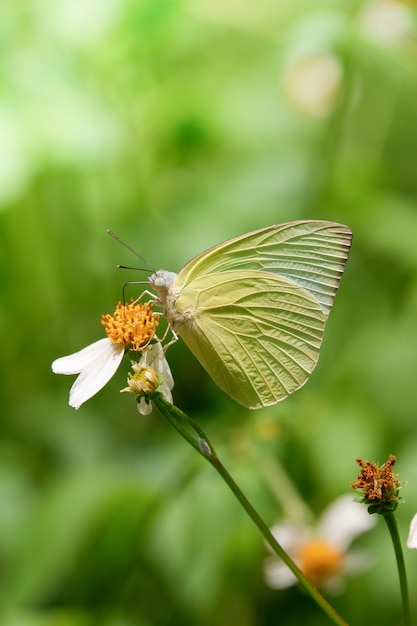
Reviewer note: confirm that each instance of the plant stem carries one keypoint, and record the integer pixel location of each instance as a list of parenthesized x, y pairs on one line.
[(187, 428), (393, 529)]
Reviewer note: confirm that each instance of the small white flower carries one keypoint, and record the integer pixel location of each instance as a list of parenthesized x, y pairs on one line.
[(131, 327), (321, 552), (95, 364), (412, 535), (386, 21), (151, 374), (312, 81)]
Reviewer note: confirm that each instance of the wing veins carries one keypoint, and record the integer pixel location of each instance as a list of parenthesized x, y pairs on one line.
[(276, 360)]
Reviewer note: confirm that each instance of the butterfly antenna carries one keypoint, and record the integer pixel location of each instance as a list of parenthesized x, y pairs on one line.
[(126, 267)]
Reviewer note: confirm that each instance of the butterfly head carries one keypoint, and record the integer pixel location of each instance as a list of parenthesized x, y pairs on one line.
[(161, 279)]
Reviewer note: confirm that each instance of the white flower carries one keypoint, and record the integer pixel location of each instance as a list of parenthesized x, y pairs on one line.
[(412, 535), (321, 552), (95, 364), (312, 81), (131, 327), (386, 21), (151, 374)]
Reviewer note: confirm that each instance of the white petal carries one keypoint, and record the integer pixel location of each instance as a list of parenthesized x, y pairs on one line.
[(412, 535), (155, 358), (151, 354), (75, 363), (166, 392), (165, 371), (144, 407), (290, 536), (96, 373), (344, 520), (277, 574)]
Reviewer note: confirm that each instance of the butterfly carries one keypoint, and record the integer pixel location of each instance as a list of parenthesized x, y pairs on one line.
[(253, 309)]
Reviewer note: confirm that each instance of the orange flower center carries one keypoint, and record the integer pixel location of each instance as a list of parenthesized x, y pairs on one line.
[(132, 325), (319, 560)]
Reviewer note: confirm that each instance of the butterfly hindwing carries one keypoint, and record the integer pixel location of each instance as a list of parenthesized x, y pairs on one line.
[(257, 334)]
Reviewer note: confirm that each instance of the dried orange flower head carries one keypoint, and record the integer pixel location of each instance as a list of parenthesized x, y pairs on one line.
[(132, 325), (380, 485)]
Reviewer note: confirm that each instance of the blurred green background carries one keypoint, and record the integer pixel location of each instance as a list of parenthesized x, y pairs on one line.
[(178, 124)]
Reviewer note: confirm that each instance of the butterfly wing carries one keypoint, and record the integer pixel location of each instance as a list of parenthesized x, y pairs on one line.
[(257, 334), (310, 253)]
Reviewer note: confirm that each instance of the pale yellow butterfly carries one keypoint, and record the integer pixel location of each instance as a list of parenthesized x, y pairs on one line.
[(253, 309)]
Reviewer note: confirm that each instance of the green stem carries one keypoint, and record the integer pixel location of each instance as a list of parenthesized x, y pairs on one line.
[(187, 428), (393, 529)]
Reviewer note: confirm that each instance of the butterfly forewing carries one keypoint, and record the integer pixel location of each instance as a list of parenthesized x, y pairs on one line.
[(310, 253), (257, 334)]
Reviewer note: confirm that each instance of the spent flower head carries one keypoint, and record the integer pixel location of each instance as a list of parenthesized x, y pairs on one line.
[(321, 551), (151, 375), (380, 486), (131, 327)]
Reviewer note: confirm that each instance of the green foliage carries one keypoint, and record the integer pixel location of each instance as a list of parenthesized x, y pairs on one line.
[(178, 124)]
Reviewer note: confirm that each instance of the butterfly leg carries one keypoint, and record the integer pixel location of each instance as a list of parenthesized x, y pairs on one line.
[(154, 298), (172, 341)]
